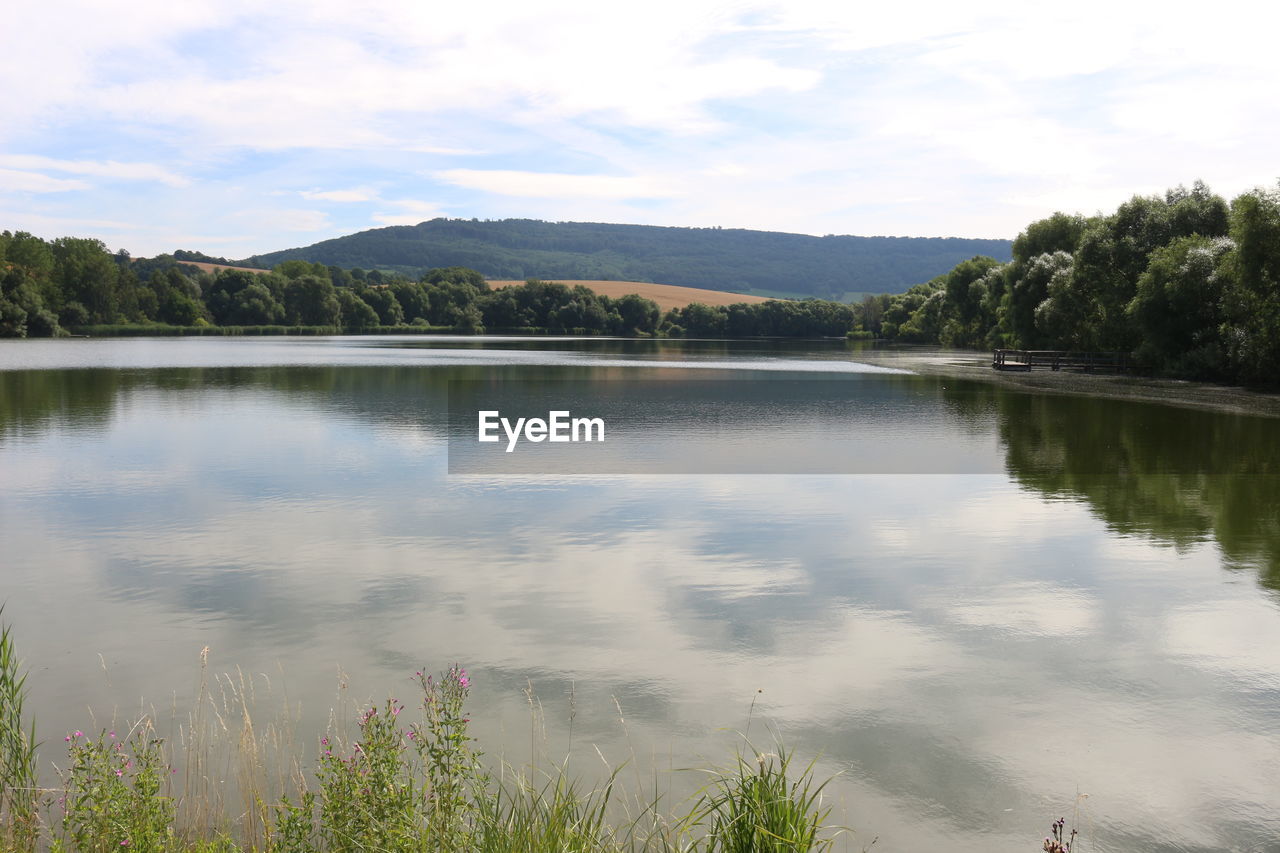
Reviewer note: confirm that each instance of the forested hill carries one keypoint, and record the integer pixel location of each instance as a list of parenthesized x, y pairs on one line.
[(737, 260)]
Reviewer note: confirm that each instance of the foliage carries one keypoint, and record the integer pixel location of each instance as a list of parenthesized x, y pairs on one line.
[(757, 807), (1188, 283), (113, 793), (17, 750), (556, 816)]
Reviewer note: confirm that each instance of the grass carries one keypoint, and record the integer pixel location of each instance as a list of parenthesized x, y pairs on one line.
[(389, 785), (18, 793), (760, 806), (401, 780)]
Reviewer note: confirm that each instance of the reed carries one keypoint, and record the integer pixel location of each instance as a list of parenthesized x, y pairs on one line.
[(18, 792), (388, 784)]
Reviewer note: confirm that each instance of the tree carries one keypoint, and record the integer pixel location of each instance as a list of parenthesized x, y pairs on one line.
[(356, 315), (383, 301), (311, 301), (22, 312), (1252, 298), (1031, 289), (84, 272), (1178, 308), (240, 298), (636, 314)]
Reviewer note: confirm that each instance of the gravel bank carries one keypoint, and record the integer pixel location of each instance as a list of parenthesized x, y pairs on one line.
[(966, 364)]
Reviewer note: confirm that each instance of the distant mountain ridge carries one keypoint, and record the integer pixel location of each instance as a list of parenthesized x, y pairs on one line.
[(726, 259)]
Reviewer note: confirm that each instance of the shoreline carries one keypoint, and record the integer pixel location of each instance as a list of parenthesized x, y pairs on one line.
[(976, 366)]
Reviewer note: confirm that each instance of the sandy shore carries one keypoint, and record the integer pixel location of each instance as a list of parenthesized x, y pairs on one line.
[(965, 364)]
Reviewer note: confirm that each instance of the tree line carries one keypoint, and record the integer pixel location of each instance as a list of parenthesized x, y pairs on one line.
[(48, 288), (1187, 282)]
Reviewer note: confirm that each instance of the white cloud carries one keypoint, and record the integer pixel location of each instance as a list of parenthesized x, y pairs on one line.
[(799, 116), (351, 195), (412, 212), (554, 185), (102, 169), (286, 219), (14, 180)]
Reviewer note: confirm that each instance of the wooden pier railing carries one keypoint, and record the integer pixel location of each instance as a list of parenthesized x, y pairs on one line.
[(1089, 362)]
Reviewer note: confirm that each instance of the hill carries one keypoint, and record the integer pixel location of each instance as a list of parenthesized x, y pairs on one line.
[(666, 296), (764, 263)]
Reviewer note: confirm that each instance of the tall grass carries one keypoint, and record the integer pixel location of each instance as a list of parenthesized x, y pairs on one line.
[(760, 806), (399, 779), (18, 794)]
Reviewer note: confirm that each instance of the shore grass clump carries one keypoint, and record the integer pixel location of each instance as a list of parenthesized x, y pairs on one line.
[(393, 785), (759, 806), (18, 793), (557, 815)]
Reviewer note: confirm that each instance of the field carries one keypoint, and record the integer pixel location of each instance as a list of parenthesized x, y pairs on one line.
[(215, 267), (666, 295)]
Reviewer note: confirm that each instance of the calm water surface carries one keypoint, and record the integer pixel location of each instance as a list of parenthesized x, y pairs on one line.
[(1091, 608)]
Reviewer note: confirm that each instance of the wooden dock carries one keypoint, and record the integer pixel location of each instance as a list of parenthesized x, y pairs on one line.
[(1087, 362)]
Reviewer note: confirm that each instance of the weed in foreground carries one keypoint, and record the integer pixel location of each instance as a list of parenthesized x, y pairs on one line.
[(757, 807), (19, 821), (115, 794), (1061, 840), (393, 786)]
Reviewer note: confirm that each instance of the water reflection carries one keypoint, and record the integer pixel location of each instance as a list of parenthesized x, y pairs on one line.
[(968, 648)]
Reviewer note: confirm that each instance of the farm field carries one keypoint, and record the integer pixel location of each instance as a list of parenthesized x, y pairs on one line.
[(666, 295)]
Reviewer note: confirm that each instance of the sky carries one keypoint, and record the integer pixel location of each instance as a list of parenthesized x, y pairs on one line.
[(235, 127)]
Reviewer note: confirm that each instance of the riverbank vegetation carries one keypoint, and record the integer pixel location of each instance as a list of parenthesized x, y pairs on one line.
[(403, 780), (74, 285), (1187, 282)]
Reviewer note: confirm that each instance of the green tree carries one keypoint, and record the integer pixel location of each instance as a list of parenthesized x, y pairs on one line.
[(636, 314), (1178, 308), (240, 298), (383, 301), (356, 315), (85, 272), (310, 300), (1252, 297)]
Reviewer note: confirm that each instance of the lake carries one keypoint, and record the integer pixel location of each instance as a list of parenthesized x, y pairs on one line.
[(972, 602)]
